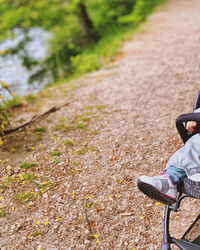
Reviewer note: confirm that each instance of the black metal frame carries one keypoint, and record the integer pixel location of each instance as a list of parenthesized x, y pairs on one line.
[(167, 239)]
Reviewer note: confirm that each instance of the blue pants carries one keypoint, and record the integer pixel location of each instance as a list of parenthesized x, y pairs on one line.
[(176, 174)]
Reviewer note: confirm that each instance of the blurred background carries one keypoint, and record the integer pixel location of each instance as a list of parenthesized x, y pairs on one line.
[(48, 41)]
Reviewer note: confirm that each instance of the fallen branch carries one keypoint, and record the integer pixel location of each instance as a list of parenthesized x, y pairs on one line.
[(37, 117)]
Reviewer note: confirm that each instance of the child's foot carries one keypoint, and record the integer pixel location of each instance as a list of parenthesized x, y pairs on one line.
[(160, 188)]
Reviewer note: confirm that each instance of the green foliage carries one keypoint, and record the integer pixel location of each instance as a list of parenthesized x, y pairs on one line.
[(2, 213), (29, 177), (76, 163), (86, 149), (80, 125), (56, 162), (88, 204), (47, 184), (4, 106), (37, 233), (100, 107), (6, 182), (86, 34), (4, 186), (10, 103), (25, 197), (60, 127), (105, 13), (140, 12), (55, 153), (68, 142), (39, 130), (27, 165), (82, 118), (143, 8), (3, 123), (85, 62), (81, 151), (95, 132), (30, 98)]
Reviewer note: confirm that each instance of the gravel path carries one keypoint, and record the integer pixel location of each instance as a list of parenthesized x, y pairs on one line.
[(118, 126)]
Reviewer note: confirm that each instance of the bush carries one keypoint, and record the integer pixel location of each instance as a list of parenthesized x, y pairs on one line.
[(103, 51), (140, 12), (84, 63), (4, 123)]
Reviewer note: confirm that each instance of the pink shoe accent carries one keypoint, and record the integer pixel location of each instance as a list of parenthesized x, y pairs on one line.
[(169, 178), (169, 196)]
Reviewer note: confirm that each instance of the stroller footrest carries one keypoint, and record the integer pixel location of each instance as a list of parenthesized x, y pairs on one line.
[(197, 241), (185, 245)]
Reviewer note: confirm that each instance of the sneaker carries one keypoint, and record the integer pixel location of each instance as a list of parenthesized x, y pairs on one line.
[(160, 188)]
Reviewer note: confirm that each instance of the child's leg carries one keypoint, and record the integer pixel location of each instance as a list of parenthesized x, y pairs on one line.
[(162, 188), (176, 174)]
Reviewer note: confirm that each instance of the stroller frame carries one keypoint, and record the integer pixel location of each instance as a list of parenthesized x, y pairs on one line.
[(167, 239), (181, 243)]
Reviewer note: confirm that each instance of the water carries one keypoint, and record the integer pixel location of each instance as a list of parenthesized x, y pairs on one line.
[(11, 69)]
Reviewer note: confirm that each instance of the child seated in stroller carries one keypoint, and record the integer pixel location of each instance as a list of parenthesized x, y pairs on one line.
[(185, 162)]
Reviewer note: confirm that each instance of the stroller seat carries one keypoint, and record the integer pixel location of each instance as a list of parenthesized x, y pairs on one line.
[(191, 187)]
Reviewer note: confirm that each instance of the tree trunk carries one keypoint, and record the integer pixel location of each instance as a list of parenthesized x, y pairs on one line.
[(89, 33), (86, 23)]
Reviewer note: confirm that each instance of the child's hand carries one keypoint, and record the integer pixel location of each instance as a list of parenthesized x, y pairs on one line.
[(191, 127)]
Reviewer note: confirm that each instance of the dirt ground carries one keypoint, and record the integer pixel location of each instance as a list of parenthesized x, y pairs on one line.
[(80, 190)]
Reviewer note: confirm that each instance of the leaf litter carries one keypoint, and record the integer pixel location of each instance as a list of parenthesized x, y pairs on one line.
[(128, 118)]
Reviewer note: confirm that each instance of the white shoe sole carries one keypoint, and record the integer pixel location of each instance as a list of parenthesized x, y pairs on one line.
[(153, 193)]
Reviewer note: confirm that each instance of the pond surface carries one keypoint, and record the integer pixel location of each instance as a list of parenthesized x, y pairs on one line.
[(11, 69)]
